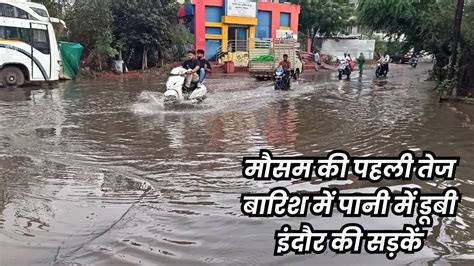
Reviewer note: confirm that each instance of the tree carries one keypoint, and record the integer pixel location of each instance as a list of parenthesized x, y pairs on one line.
[(324, 17), (182, 40), (144, 24), (90, 23), (425, 25)]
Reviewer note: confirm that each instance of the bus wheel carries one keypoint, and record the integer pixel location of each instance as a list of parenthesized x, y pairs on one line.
[(12, 76)]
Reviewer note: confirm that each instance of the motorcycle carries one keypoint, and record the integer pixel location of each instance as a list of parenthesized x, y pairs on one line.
[(381, 70), (414, 62), (175, 91), (281, 79), (344, 69)]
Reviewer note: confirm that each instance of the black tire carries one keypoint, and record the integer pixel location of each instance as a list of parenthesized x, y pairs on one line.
[(276, 87), (377, 74), (340, 75), (12, 77)]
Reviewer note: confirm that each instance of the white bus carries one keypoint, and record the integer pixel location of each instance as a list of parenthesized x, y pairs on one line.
[(28, 46)]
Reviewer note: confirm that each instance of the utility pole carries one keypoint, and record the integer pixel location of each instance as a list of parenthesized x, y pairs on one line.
[(456, 34)]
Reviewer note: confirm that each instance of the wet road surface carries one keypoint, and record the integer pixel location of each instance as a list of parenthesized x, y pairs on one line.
[(97, 172)]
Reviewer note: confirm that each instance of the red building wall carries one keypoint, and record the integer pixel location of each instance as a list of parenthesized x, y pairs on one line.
[(275, 8)]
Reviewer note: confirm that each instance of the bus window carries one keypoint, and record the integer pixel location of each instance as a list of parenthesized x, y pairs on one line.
[(18, 34), (40, 11), (8, 11), (22, 14), (13, 12), (11, 33), (24, 35), (41, 41)]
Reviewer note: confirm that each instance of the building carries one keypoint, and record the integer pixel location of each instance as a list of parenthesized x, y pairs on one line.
[(221, 26), (354, 42)]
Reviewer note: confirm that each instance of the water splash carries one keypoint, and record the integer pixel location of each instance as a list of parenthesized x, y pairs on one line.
[(149, 103)]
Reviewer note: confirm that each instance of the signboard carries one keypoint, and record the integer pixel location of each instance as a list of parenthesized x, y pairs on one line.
[(284, 34), (241, 8)]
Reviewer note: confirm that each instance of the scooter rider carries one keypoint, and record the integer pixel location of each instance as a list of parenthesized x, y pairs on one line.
[(413, 57), (193, 66), (384, 61), (286, 65), (205, 66)]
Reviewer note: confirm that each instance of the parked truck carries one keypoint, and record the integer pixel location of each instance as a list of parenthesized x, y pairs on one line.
[(264, 59)]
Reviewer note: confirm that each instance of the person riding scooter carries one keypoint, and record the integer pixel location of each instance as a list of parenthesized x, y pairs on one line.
[(413, 60), (286, 65), (193, 66), (205, 66), (385, 61)]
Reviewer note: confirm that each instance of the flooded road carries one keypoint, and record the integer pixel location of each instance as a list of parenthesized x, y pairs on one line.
[(98, 173)]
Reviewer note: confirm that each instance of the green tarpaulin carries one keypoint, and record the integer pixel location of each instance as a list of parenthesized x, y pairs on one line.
[(71, 59), (263, 58)]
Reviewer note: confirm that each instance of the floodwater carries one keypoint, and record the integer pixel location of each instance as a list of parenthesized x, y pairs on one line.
[(98, 173)]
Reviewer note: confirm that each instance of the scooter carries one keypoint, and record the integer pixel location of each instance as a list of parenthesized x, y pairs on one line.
[(282, 81), (381, 70), (175, 92), (344, 69), (414, 62)]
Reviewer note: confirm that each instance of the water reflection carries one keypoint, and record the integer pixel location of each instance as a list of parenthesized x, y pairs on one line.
[(11, 95), (280, 125), (85, 179)]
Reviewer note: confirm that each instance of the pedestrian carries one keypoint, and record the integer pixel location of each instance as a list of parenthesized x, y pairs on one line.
[(361, 62), (317, 60)]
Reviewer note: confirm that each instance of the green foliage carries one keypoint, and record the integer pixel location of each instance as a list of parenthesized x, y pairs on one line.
[(182, 40), (104, 44), (425, 25), (446, 87), (326, 17), (90, 23), (145, 24)]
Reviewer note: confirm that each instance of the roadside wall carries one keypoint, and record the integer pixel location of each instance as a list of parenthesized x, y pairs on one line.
[(351, 46)]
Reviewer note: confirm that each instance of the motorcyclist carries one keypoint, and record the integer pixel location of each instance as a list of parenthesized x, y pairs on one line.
[(286, 65), (413, 57), (384, 61), (205, 66), (193, 66), (351, 62)]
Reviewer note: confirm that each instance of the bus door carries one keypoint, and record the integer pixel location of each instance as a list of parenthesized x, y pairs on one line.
[(40, 51)]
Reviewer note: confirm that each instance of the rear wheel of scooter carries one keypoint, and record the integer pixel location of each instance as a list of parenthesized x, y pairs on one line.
[(377, 74), (340, 75)]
